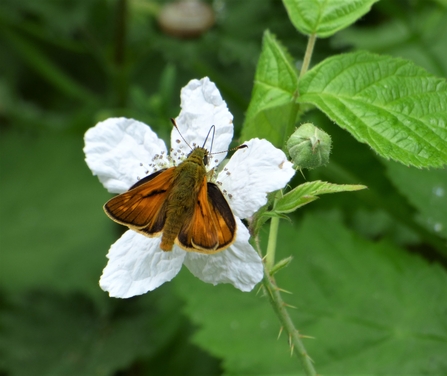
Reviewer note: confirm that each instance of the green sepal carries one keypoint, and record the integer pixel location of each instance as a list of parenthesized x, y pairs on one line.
[(281, 265)]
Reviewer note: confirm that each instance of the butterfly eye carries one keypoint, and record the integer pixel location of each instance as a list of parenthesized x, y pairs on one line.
[(205, 160)]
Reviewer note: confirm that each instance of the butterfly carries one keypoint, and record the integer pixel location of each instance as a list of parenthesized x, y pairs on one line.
[(181, 205)]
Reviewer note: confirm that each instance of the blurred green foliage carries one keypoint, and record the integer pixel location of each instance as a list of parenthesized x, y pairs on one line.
[(368, 275), (371, 324)]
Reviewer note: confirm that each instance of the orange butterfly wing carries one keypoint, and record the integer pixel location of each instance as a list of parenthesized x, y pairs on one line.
[(212, 227), (223, 217), (143, 207)]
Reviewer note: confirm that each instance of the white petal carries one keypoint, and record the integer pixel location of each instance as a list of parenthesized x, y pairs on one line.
[(115, 150), (138, 265), (239, 264), (251, 173), (203, 106)]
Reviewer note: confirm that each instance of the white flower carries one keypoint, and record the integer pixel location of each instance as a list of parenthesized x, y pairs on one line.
[(121, 151)]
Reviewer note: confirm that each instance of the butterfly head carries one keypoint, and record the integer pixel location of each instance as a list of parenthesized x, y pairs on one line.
[(199, 155)]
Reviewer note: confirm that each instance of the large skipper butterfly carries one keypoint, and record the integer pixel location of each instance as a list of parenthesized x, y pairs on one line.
[(181, 205)]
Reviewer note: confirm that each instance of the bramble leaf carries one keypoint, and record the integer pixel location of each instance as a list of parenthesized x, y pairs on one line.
[(272, 111), (391, 104), (324, 18)]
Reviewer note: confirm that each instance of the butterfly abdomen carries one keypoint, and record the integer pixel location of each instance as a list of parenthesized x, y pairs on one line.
[(182, 198)]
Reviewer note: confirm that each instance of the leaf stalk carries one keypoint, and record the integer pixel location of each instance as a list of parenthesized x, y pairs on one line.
[(308, 55)]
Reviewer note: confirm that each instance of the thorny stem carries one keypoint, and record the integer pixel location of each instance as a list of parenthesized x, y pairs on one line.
[(271, 246), (274, 295), (308, 54)]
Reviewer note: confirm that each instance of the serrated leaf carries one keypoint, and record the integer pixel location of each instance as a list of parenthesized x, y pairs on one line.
[(420, 37), (308, 192), (272, 110), (369, 305), (397, 108), (426, 190), (324, 18)]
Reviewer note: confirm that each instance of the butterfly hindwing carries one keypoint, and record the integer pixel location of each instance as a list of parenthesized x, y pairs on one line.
[(212, 226), (143, 208), (222, 216), (199, 233)]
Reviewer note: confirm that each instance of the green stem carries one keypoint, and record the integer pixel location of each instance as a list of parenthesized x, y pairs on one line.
[(120, 54), (44, 66), (271, 246), (120, 32), (308, 54), (273, 292), (279, 306)]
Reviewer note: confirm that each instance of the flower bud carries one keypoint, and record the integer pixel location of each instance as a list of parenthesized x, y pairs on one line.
[(309, 147)]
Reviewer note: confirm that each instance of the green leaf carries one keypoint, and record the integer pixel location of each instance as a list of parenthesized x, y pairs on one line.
[(420, 36), (426, 190), (272, 110), (53, 227), (308, 192), (324, 18), (394, 106), (55, 334), (369, 306)]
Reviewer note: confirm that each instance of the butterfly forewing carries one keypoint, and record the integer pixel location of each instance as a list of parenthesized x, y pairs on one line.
[(143, 208)]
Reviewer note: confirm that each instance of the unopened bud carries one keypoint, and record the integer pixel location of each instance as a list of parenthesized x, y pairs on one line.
[(309, 147)]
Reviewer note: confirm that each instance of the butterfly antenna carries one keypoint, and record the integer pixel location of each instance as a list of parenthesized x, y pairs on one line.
[(213, 128), (178, 130), (243, 146)]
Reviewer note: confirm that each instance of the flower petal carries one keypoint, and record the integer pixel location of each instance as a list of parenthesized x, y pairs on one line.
[(203, 106), (251, 173), (239, 264), (138, 265), (119, 151)]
